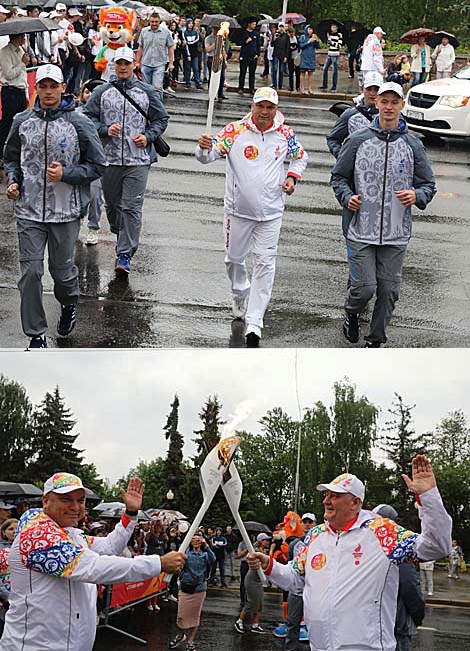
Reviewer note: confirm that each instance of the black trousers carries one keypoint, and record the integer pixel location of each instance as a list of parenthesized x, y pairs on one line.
[(13, 101), (250, 65)]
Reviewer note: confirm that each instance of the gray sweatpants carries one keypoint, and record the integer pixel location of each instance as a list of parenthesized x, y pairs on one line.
[(374, 269), (96, 205), (60, 239), (123, 189), (295, 611)]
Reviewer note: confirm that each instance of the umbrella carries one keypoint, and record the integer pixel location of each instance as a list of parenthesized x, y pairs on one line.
[(297, 19), (27, 26), (131, 4), (436, 40), (105, 506), (415, 34), (255, 527), (268, 21), (13, 490), (117, 511), (339, 108), (167, 514), (164, 14), (50, 4), (214, 20), (324, 27)]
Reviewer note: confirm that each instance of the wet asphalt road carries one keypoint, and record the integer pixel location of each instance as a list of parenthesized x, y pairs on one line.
[(178, 294), (445, 628)]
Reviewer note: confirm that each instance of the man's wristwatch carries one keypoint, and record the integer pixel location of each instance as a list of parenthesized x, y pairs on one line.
[(131, 514), (289, 176)]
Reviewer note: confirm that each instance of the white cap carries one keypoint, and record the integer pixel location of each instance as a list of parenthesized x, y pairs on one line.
[(263, 536), (44, 14), (74, 12), (378, 29), (50, 71), (21, 12), (76, 39), (62, 482), (373, 79), (5, 505), (345, 483), (124, 53), (309, 516), (55, 14), (60, 7), (266, 94), (4, 10), (391, 87), (96, 525)]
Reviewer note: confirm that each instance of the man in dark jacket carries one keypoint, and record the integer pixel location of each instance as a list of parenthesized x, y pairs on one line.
[(281, 49), (249, 53), (218, 545), (127, 139), (51, 156), (191, 54), (380, 173), (355, 118)]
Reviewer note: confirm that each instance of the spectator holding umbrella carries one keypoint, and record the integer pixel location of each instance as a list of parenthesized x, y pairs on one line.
[(420, 61), (444, 56)]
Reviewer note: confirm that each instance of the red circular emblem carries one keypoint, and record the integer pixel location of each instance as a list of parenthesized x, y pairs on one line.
[(251, 152), (318, 562)]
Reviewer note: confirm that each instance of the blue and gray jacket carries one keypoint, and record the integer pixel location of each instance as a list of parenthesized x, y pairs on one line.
[(39, 137), (308, 57), (197, 568), (376, 163), (350, 121), (108, 106)]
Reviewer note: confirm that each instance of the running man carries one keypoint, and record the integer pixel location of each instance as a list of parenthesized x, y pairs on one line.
[(256, 186)]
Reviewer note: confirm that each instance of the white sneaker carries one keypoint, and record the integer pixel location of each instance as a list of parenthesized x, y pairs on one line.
[(92, 237), (239, 306), (169, 91)]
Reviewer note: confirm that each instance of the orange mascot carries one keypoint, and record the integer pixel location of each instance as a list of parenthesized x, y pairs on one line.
[(116, 30), (288, 529)]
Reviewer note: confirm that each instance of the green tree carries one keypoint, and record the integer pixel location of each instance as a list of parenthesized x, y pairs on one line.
[(152, 473), (53, 441), (91, 479), (15, 430), (173, 475)]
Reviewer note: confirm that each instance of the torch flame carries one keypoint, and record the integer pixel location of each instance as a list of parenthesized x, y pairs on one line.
[(242, 412), (224, 29)]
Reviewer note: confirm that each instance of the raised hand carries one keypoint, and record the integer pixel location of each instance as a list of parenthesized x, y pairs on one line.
[(132, 498), (423, 478)]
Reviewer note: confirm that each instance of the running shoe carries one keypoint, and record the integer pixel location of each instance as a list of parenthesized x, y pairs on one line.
[(256, 628), (39, 341), (253, 336), (92, 237), (303, 633), (191, 646), (176, 641), (171, 597), (67, 321), (123, 264), (239, 306), (351, 327), (280, 630), (239, 626), (372, 344)]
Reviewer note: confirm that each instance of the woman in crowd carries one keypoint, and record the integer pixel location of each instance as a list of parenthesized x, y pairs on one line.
[(420, 61), (7, 534), (193, 588), (308, 43), (455, 560), (254, 592), (294, 69), (156, 540)]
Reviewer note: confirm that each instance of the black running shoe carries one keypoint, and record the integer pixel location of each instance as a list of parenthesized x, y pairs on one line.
[(67, 321), (372, 344), (351, 327), (252, 340), (39, 341)]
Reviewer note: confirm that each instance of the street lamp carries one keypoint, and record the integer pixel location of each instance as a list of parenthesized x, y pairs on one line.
[(170, 495)]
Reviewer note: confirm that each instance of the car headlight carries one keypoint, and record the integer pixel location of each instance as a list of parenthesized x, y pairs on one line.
[(454, 101)]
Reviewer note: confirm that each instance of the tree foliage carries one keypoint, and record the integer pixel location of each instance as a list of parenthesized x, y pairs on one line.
[(173, 473), (15, 430)]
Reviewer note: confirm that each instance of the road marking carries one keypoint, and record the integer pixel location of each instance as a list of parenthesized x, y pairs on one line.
[(427, 628)]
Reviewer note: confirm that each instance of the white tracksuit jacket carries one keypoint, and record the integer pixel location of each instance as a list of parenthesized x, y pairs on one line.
[(350, 578), (255, 166), (54, 572)]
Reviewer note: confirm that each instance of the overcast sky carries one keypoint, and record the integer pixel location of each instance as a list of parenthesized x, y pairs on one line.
[(121, 398)]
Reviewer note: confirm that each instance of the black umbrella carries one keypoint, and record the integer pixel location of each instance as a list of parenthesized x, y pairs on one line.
[(354, 39), (339, 108), (117, 512), (255, 527), (27, 26), (436, 40), (214, 20), (13, 490), (324, 28)]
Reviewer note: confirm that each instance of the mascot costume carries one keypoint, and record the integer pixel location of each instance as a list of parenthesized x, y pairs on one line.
[(116, 30), (289, 529)]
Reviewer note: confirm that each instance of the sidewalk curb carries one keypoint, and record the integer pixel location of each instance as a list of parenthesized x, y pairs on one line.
[(296, 95), (460, 603)]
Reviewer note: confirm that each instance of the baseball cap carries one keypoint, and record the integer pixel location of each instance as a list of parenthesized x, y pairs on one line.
[(21, 12), (55, 14), (386, 511), (373, 79), (76, 39), (124, 53), (44, 14), (266, 94), (74, 12), (4, 10), (345, 483), (62, 482), (309, 516), (50, 71), (60, 7), (5, 505), (378, 29), (263, 536), (391, 87), (96, 525)]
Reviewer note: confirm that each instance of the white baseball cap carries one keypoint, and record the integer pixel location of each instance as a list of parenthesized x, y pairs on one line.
[(309, 516), (44, 14), (74, 12), (76, 39), (4, 10), (391, 87), (378, 29), (373, 79), (124, 53), (49, 71), (266, 94), (63, 482), (21, 12), (55, 14), (345, 483), (5, 505), (60, 7)]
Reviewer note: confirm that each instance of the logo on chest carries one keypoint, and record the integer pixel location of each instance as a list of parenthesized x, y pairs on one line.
[(251, 152), (318, 562), (357, 555)]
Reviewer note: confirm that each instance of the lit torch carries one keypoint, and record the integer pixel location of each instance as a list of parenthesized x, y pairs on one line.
[(217, 63)]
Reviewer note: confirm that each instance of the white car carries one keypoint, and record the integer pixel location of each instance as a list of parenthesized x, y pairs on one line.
[(441, 106)]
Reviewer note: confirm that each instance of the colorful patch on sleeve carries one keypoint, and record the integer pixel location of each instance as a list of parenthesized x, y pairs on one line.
[(398, 543), (295, 151), (4, 569), (224, 140), (46, 547), (299, 562)]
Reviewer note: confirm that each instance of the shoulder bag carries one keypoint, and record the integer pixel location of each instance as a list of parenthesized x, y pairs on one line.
[(160, 145)]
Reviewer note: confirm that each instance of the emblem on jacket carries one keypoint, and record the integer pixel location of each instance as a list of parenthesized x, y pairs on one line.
[(251, 152), (318, 562), (357, 555)]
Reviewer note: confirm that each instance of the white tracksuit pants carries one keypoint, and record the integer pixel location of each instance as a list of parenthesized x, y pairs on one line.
[(239, 234)]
